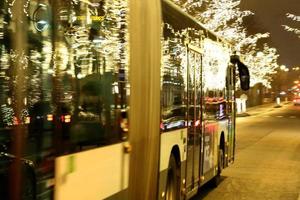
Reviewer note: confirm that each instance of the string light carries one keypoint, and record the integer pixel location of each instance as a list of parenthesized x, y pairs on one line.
[(215, 59), (225, 19), (11, 3), (291, 29), (215, 62)]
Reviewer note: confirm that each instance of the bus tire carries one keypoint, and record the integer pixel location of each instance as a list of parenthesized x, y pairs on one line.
[(173, 180), (217, 179)]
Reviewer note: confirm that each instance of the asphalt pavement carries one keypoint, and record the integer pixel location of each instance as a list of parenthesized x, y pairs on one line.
[(267, 165)]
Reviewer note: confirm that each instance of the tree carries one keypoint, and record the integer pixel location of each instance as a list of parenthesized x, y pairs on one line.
[(291, 29), (225, 18), (263, 65)]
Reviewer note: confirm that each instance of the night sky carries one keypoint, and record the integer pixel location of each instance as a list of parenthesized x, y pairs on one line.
[(269, 16)]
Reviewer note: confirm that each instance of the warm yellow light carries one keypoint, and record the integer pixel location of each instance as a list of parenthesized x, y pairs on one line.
[(67, 118), (49, 117), (215, 62), (27, 120), (282, 67)]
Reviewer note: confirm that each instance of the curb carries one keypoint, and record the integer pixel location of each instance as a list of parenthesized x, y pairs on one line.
[(243, 115)]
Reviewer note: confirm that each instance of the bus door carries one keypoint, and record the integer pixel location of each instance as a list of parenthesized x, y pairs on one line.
[(210, 127), (230, 97), (194, 118)]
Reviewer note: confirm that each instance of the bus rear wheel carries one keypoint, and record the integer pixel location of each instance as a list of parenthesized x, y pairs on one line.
[(173, 181)]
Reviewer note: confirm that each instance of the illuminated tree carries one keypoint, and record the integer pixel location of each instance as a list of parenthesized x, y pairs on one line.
[(263, 65), (103, 35), (225, 18), (291, 29)]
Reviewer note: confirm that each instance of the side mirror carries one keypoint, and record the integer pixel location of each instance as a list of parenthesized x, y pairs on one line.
[(244, 76), (243, 72)]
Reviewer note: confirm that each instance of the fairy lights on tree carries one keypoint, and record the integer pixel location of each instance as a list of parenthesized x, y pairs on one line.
[(11, 3), (291, 29), (225, 18), (260, 60), (100, 35)]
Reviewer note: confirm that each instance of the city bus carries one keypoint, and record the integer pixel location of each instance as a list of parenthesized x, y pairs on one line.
[(114, 99)]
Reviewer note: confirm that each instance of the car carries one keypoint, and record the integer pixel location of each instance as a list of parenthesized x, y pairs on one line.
[(296, 101)]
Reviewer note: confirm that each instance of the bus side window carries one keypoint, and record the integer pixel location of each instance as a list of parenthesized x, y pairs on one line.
[(173, 96)]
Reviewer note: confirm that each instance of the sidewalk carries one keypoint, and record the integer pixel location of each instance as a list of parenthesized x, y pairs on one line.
[(261, 108)]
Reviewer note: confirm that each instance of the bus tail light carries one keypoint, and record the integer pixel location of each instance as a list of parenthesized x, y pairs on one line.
[(66, 118), (49, 117)]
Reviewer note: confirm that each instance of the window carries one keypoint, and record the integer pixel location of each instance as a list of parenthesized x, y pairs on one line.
[(173, 96)]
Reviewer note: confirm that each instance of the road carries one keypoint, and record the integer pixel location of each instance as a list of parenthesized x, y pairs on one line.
[(267, 165)]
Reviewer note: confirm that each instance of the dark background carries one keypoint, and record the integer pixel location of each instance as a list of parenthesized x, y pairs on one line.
[(269, 16)]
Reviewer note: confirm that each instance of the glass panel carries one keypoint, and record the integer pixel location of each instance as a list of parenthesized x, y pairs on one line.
[(65, 88), (174, 85), (194, 117), (91, 71)]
